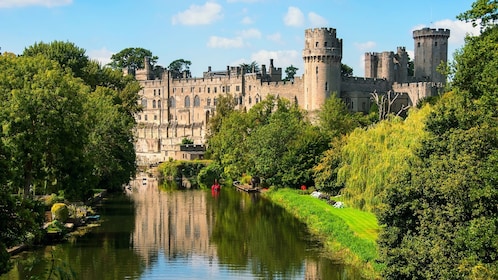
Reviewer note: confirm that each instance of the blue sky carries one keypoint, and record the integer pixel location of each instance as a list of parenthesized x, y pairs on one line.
[(219, 33)]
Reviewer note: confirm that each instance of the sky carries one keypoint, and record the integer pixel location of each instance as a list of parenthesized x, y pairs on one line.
[(221, 33)]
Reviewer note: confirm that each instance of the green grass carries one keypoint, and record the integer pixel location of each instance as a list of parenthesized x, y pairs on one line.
[(347, 232)]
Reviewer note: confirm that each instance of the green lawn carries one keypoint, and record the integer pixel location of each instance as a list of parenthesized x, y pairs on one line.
[(341, 228)]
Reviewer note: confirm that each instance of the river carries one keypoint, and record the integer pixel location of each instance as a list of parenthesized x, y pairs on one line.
[(150, 233)]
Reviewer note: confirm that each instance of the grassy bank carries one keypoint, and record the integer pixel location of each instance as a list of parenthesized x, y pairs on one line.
[(346, 232)]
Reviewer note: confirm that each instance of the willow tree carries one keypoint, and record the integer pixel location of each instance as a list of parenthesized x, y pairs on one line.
[(374, 156)]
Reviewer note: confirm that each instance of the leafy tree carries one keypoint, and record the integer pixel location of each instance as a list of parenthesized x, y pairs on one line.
[(178, 67), (132, 58), (224, 107), (335, 119), (483, 13), (290, 72), (325, 171), (67, 54), (252, 67), (346, 71)]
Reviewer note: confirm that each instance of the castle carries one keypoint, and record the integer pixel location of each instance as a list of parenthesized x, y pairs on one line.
[(179, 108)]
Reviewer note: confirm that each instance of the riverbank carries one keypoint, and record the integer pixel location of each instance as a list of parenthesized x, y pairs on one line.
[(346, 232)]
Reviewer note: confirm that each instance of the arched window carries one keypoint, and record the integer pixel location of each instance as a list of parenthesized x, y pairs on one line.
[(197, 101), (144, 103), (153, 103), (208, 101), (187, 101), (158, 103), (172, 102)]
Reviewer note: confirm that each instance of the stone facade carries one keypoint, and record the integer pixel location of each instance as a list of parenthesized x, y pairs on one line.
[(175, 109)]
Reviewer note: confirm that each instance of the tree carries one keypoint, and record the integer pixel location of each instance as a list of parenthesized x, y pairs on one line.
[(335, 119), (178, 67), (483, 13), (44, 129), (132, 58), (346, 71), (67, 54), (253, 67), (290, 72)]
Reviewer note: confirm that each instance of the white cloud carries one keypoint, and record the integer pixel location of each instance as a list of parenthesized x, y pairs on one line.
[(250, 33), (220, 42), (294, 17), (24, 3), (276, 37), (281, 59), (247, 20), (316, 20), (365, 46), (199, 15), (103, 56), (458, 30)]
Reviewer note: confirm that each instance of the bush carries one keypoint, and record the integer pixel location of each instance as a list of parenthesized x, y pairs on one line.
[(60, 212)]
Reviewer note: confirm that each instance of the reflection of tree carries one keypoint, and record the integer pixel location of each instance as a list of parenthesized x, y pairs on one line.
[(253, 232)]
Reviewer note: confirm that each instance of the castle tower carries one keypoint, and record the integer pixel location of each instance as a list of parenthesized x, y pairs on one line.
[(322, 56), (431, 48), (401, 65)]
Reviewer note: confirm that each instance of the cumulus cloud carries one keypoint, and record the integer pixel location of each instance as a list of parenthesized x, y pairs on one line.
[(316, 20), (281, 58), (250, 33), (25, 3), (199, 15), (365, 46), (458, 30), (294, 17), (221, 42), (275, 37), (247, 20), (103, 56)]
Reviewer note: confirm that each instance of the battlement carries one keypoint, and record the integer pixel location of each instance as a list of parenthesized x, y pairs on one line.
[(322, 30), (431, 32)]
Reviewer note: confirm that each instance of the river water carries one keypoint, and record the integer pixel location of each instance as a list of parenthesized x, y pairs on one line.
[(150, 233)]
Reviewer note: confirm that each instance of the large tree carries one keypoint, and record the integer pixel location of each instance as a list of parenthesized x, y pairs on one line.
[(180, 67), (440, 217), (132, 58)]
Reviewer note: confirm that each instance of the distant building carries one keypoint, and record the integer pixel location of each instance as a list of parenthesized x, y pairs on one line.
[(174, 109)]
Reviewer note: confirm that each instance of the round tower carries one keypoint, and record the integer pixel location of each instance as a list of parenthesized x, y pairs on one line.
[(322, 56), (431, 48)]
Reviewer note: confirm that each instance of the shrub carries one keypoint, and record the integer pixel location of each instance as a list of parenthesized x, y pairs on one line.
[(60, 212)]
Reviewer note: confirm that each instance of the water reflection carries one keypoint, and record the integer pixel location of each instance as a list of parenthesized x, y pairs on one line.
[(154, 234)]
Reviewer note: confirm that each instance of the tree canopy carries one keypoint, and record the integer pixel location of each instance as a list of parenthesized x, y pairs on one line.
[(132, 58)]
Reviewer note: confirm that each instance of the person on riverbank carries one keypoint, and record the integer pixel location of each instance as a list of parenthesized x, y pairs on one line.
[(215, 187)]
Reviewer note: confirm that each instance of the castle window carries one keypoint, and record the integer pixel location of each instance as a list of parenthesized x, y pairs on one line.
[(158, 103), (237, 88), (191, 89), (208, 101), (222, 89), (155, 117), (145, 116), (435, 44), (316, 70), (200, 89), (249, 87), (172, 102), (153, 104), (187, 101), (235, 100), (197, 101), (215, 90), (250, 100), (144, 103), (325, 44), (182, 90), (215, 101), (154, 92), (228, 88), (418, 44), (240, 100), (326, 86), (159, 92), (209, 90), (316, 44)]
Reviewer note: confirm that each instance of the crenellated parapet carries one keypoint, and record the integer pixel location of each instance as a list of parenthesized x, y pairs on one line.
[(431, 32)]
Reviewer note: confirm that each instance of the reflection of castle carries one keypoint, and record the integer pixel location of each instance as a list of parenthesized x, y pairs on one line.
[(174, 225), (175, 109)]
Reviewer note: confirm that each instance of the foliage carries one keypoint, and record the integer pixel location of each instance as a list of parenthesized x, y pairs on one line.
[(187, 141), (346, 70), (325, 172), (374, 156), (131, 58), (60, 212), (208, 174), (335, 119), (483, 12), (252, 67), (290, 72), (448, 200), (189, 170), (178, 67)]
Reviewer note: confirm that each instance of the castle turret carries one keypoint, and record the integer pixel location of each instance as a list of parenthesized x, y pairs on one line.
[(431, 48), (322, 56)]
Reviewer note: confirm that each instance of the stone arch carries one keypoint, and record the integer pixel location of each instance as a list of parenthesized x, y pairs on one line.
[(187, 101), (197, 101), (172, 102)]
